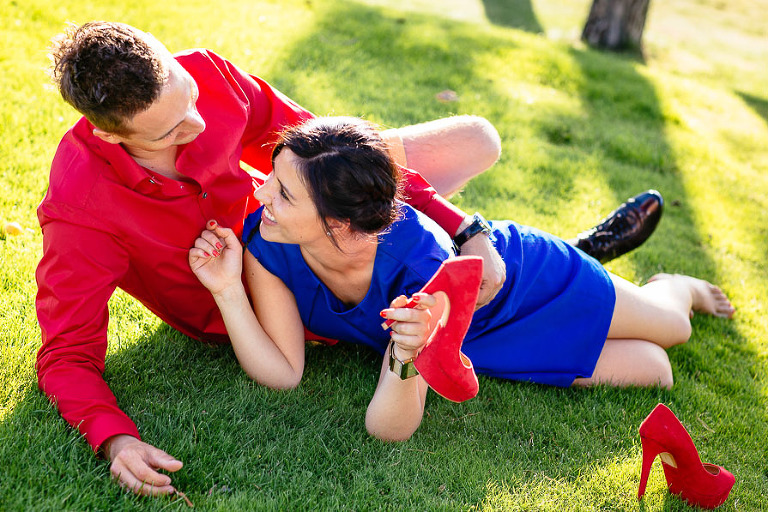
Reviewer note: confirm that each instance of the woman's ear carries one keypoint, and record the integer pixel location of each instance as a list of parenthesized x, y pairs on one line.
[(339, 226)]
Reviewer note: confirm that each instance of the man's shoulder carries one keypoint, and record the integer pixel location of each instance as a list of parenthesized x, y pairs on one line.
[(200, 59), (79, 164)]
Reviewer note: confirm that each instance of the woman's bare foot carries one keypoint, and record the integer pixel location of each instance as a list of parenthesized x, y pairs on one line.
[(706, 297)]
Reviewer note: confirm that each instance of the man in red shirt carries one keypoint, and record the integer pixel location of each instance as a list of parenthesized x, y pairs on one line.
[(133, 182)]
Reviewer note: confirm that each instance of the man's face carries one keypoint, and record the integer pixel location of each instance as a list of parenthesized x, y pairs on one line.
[(172, 120)]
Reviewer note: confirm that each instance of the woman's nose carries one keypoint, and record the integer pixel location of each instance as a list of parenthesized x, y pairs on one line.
[(262, 193)]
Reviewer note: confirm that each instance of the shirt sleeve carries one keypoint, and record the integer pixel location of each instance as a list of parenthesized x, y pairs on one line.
[(269, 112), (76, 277), (422, 196)]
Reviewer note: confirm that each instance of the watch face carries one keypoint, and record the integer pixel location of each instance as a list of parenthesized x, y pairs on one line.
[(483, 223), (479, 225)]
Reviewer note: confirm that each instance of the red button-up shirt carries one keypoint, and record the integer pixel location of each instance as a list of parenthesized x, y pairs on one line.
[(108, 222)]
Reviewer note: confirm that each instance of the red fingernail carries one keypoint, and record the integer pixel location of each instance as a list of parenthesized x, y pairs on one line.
[(206, 254), (415, 298), (212, 223), (215, 253), (219, 246), (383, 314)]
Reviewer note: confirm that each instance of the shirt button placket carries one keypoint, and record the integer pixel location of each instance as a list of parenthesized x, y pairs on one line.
[(205, 206)]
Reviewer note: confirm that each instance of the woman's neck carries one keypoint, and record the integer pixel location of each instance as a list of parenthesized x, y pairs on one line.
[(346, 270)]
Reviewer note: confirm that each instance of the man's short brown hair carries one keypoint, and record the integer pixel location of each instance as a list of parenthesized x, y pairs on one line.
[(108, 71)]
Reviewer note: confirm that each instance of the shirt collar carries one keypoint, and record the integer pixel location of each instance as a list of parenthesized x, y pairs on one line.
[(125, 167)]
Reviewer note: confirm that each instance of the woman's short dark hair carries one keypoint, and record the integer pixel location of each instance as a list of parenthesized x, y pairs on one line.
[(108, 71), (348, 171)]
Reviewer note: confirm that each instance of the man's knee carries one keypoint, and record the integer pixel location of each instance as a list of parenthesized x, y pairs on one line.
[(486, 137)]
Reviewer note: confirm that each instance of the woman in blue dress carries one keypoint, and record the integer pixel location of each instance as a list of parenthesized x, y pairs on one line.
[(333, 249)]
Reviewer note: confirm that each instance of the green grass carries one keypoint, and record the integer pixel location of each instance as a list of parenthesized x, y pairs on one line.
[(581, 130)]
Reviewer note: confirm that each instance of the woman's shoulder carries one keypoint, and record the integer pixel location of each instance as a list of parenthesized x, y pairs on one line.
[(414, 243), (412, 226)]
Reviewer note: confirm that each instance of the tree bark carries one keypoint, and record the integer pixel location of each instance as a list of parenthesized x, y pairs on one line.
[(616, 24)]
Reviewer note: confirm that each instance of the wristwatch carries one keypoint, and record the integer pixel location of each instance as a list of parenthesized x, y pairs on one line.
[(403, 369), (479, 225)]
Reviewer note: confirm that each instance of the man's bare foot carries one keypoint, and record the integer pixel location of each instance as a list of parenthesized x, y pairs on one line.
[(706, 297)]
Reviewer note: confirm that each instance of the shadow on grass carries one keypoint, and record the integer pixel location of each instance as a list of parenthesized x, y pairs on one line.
[(757, 104), (517, 14), (240, 442), (306, 448)]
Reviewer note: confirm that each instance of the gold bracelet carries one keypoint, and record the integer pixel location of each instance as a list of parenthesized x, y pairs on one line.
[(403, 369)]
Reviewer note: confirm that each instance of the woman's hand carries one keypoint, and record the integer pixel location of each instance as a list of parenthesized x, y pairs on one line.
[(412, 325), (217, 258)]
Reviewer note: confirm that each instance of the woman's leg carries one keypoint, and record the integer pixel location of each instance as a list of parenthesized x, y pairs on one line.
[(646, 321), (660, 310), (631, 363), (448, 152)]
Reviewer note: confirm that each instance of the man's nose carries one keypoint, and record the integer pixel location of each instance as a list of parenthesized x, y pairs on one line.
[(194, 121)]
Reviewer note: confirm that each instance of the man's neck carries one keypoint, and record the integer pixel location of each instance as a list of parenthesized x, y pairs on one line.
[(159, 162)]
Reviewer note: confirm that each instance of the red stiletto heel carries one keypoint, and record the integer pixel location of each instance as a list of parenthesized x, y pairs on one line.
[(699, 484), (447, 371)]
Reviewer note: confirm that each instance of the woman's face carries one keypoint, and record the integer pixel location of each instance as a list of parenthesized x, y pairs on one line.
[(289, 215)]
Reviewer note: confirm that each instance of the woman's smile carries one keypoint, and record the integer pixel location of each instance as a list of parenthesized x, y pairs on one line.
[(267, 215)]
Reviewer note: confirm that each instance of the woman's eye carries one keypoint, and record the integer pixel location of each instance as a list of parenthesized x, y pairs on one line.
[(283, 194)]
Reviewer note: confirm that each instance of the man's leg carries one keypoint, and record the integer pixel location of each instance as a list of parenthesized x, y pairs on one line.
[(624, 229), (447, 152)]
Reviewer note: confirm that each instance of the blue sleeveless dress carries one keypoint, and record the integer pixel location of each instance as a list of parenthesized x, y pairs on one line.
[(547, 325)]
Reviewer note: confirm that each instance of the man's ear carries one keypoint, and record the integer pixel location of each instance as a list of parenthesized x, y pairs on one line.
[(107, 136)]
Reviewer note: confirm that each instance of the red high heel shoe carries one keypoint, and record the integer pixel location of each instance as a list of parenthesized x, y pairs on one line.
[(447, 371), (702, 485)]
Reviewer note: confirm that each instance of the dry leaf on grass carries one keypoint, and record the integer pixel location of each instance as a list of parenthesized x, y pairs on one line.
[(447, 96)]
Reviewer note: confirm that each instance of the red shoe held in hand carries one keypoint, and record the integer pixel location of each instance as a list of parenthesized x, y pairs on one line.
[(699, 484), (447, 371)]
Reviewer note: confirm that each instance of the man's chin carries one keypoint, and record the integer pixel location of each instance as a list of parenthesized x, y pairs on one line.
[(186, 140)]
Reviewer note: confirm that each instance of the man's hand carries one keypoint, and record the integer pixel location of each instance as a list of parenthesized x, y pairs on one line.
[(494, 270), (134, 464)]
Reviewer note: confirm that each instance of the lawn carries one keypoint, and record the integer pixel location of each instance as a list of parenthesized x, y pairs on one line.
[(582, 131)]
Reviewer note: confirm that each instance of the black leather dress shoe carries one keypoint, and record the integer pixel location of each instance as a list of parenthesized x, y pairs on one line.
[(625, 229)]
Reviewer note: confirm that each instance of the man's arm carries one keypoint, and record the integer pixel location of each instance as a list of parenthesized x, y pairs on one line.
[(268, 112), (420, 194), (75, 278)]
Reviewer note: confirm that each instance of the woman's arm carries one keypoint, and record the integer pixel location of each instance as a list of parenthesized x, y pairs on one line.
[(268, 338), (397, 406)]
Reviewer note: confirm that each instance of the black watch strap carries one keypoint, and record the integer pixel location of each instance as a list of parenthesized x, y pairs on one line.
[(479, 225)]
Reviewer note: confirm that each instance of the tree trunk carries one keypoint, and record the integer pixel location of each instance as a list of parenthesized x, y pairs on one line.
[(616, 24)]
